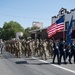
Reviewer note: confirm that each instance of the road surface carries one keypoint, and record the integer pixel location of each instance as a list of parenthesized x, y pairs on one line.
[(10, 65)]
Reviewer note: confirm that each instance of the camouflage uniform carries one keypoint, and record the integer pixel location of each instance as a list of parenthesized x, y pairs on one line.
[(31, 47), (41, 48), (37, 47), (45, 49), (34, 46), (28, 48), (50, 48)]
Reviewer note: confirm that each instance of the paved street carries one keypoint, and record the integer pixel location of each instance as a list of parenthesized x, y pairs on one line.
[(10, 65)]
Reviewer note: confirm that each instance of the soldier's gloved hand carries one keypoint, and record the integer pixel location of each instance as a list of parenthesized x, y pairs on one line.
[(64, 49), (57, 47)]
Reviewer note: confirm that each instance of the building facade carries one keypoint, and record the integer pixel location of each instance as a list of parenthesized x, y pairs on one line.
[(67, 18), (37, 24), (60, 35)]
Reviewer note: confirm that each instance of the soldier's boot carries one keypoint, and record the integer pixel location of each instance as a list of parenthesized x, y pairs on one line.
[(45, 57), (41, 55)]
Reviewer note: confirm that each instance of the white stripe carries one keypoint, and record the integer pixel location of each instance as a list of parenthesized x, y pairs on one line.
[(40, 60), (61, 23), (63, 68), (34, 57), (72, 71), (43, 61)]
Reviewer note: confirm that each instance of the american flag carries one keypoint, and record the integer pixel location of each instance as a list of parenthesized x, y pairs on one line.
[(56, 27)]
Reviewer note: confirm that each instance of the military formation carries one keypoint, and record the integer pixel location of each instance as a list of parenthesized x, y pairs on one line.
[(44, 49), (41, 48)]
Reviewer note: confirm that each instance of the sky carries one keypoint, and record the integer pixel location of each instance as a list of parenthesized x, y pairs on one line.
[(26, 11)]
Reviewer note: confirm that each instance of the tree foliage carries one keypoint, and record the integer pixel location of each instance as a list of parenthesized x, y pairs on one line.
[(10, 29), (27, 33), (1, 32)]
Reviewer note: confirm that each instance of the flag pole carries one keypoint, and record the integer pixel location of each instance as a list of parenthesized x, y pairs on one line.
[(69, 32), (53, 39), (64, 31), (63, 35)]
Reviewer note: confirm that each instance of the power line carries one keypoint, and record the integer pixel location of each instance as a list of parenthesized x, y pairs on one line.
[(12, 8), (23, 17), (19, 9)]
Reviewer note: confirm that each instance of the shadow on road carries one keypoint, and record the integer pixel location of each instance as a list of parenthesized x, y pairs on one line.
[(25, 62), (21, 62)]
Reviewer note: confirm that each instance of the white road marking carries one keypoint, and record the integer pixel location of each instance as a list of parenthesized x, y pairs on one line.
[(72, 71), (40, 60), (63, 68), (34, 58), (44, 61)]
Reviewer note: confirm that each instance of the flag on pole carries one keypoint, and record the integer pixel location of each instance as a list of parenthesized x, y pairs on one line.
[(69, 32), (56, 27)]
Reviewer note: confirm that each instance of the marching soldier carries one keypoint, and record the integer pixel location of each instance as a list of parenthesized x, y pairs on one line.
[(45, 49), (34, 47), (16, 48), (37, 47), (50, 48), (62, 51), (73, 50), (19, 48), (23, 46), (68, 53), (41, 48), (31, 47), (28, 48), (56, 52)]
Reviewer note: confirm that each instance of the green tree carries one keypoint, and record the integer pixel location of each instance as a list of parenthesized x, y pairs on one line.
[(10, 29), (26, 33), (1, 33)]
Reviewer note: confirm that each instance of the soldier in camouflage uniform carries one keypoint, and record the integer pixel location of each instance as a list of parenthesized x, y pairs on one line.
[(23, 46), (18, 48), (31, 47), (41, 48), (28, 48), (50, 48), (37, 52), (45, 48), (34, 46)]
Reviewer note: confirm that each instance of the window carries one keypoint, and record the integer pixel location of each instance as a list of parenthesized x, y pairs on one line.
[(66, 25), (62, 12), (73, 26)]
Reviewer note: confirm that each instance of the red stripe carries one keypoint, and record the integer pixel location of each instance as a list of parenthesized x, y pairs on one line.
[(54, 28)]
